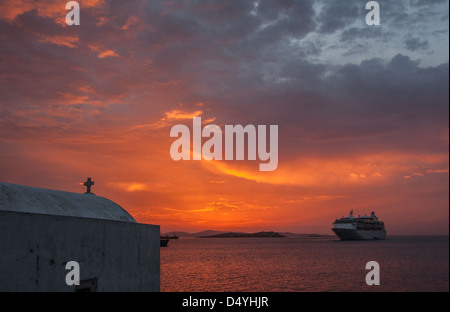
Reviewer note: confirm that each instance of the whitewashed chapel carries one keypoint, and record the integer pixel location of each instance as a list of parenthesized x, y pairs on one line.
[(41, 230)]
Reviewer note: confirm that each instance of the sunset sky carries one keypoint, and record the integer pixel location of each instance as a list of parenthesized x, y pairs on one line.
[(362, 111)]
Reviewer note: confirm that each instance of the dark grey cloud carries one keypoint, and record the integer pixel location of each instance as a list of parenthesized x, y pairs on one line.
[(335, 16), (237, 58), (416, 44), (428, 2), (355, 34)]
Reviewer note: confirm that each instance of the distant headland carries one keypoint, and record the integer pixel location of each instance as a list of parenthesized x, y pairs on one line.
[(230, 234), (238, 234)]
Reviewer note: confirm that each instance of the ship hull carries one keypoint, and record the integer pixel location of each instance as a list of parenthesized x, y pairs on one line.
[(352, 234)]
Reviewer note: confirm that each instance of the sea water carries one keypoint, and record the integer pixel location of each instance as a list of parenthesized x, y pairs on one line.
[(407, 263)]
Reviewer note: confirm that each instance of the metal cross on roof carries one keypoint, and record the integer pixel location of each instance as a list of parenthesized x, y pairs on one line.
[(88, 185)]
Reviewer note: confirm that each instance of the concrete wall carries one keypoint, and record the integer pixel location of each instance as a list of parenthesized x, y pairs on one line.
[(34, 250)]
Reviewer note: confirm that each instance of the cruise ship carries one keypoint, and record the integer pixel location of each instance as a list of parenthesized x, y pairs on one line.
[(359, 228)]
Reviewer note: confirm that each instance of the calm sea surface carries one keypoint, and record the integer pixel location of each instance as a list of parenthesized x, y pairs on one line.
[(407, 263)]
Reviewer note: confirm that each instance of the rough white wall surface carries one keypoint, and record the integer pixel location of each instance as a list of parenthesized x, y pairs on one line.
[(34, 249)]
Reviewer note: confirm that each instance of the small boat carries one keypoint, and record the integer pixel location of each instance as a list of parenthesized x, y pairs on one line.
[(163, 242), (170, 237)]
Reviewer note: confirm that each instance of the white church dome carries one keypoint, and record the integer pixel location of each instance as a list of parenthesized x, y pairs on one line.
[(27, 199)]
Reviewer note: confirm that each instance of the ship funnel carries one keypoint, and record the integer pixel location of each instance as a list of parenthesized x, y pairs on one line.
[(351, 214), (373, 216)]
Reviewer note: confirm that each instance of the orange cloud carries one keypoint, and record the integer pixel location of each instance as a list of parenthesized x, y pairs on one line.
[(102, 51), (316, 172), (129, 186), (55, 9), (68, 41), (167, 120), (177, 114), (132, 21)]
